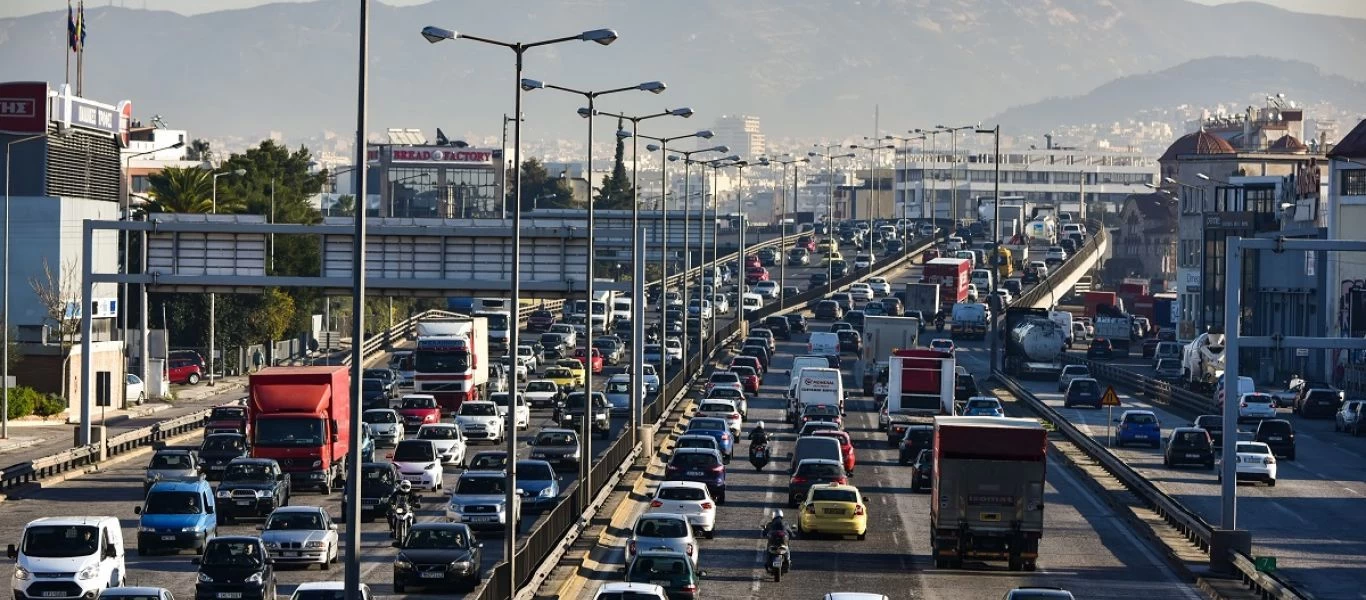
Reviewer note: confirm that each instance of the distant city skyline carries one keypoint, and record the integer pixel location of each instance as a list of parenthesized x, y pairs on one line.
[(14, 8)]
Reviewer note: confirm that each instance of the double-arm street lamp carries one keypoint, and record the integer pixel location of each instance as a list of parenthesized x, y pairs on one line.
[(213, 308), (782, 218), (655, 87), (953, 168), (740, 257), (872, 180), (687, 220), (906, 187), (716, 165), (830, 208), (128, 262), (602, 37)]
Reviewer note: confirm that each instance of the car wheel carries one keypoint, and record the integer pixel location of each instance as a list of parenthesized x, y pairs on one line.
[(1271, 483), (193, 379), (710, 533)]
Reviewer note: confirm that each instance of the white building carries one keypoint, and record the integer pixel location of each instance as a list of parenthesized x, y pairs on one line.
[(1347, 221), (741, 134)]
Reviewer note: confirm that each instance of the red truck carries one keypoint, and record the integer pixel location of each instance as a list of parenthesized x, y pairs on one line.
[(301, 418), (988, 478), (1091, 299), (953, 276), (921, 380)]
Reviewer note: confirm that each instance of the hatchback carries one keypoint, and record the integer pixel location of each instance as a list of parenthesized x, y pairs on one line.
[(1082, 390), (690, 499), (1101, 349), (1279, 435), (672, 571), (810, 472), (1189, 446), (983, 407), (779, 325), (662, 531), (1255, 406), (717, 428), (1318, 402), (1138, 426), (700, 465)]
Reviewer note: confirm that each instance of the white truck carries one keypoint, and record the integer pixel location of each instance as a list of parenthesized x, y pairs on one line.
[(1043, 230), (1202, 361), (816, 386), (922, 381), (923, 297), (451, 360), (1118, 328), (882, 336), (500, 326)]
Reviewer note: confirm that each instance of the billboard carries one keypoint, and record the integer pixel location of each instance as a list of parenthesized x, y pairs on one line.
[(445, 155), (23, 107)]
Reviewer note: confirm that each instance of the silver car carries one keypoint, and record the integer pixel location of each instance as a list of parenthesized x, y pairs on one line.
[(662, 531), (169, 464), (480, 500), (1069, 373), (301, 535), (386, 425)]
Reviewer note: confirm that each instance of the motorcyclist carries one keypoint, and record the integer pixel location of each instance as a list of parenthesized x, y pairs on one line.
[(758, 436), (401, 497), (939, 321), (778, 535)]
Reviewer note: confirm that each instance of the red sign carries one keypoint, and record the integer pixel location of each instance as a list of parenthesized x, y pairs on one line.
[(125, 122), (436, 154), (23, 107)]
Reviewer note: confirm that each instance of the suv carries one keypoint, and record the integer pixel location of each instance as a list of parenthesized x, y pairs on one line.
[(1189, 445), (1318, 402), (479, 499), (1279, 435), (779, 325), (1213, 424), (570, 413)]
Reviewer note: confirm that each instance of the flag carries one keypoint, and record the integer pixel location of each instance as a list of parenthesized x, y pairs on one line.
[(70, 27), (80, 26)]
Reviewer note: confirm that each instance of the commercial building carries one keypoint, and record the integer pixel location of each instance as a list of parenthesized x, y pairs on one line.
[(740, 133), (1347, 271), (411, 178), (1146, 241), (150, 150)]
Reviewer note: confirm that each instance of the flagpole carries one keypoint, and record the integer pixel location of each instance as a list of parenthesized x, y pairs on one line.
[(80, 49), (70, 33)]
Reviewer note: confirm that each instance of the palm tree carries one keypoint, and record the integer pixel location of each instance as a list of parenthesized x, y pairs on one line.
[(186, 190), (343, 206)]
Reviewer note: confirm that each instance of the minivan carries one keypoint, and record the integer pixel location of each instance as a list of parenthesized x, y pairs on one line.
[(1166, 350), (811, 446), (176, 515), (55, 552), (823, 343)]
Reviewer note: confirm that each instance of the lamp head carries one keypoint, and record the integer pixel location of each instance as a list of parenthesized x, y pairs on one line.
[(684, 112), (812, 154), (239, 172), (652, 147), (673, 158), (437, 34), (721, 148), (532, 84), (585, 113), (731, 157), (623, 134), (654, 87), (601, 36), (1202, 176), (704, 134)]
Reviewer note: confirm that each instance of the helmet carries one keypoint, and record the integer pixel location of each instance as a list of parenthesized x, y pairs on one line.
[(760, 425), (405, 486), (778, 514)]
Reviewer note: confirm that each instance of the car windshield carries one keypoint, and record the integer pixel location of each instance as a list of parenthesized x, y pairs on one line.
[(1084, 386), (1259, 399), (232, 554), (551, 339), (379, 416), (416, 402), (849, 496), (696, 441), (480, 486), (228, 413), (318, 595), (376, 478), (1250, 448), (489, 461), (706, 425), (1190, 438), (61, 541), (987, 404), (725, 377), (414, 452), (439, 433), (437, 538), (541, 386), (744, 371), (693, 460), (555, 438), (429, 360), (247, 471), (173, 503), (478, 409), (171, 462), (372, 385), (618, 387), (559, 373), (710, 407), (289, 520), (823, 470), (671, 569), (1140, 419), (661, 528), (223, 443), (535, 471), (682, 493)]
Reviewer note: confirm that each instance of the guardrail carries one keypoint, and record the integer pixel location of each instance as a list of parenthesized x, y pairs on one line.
[(1155, 390), (1045, 286)]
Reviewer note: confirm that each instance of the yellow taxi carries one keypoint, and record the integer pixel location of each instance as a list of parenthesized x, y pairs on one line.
[(575, 367), (563, 377), (835, 509), (827, 246), (833, 255)]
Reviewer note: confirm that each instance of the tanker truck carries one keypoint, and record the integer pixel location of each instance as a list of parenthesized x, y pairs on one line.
[(1202, 361), (1033, 343)]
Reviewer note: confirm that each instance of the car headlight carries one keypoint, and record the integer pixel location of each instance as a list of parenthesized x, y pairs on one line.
[(548, 492), (455, 508), (402, 562), (429, 467), (254, 578), (317, 464), (223, 494), (267, 493), (316, 545), (145, 529), (272, 545), (462, 565), (152, 477), (22, 573), (89, 572), (204, 578), (188, 529)]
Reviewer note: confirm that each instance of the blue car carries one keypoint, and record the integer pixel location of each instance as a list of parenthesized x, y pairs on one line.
[(367, 444), (536, 479), (983, 407), (717, 428), (1138, 427), (176, 515), (702, 465)]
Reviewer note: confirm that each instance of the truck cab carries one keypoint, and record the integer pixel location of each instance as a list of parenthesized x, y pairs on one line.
[(301, 418)]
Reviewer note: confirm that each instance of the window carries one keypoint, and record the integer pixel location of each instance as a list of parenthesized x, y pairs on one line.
[(1354, 182)]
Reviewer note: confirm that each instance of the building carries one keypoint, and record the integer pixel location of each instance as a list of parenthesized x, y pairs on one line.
[(1145, 245), (1347, 270), (410, 178), (741, 134), (151, 149), (871, 196)]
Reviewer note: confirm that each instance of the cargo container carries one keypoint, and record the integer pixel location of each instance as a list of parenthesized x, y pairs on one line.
[(953, 276), (1091, 299), (921, 380)]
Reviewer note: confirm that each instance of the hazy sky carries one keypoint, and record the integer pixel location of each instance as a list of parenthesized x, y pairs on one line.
[(10, 8)]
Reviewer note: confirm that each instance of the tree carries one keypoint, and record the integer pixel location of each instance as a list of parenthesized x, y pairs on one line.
[(539, 189), (58, 293), (188, 190), (198, 150), (273, 315), (343, 206), (618, 191)]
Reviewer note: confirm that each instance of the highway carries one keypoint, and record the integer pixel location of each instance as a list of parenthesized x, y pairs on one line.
[(1086, 548)]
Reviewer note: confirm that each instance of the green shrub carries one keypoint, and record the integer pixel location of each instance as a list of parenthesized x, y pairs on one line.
[(48, 405), (21, 401)]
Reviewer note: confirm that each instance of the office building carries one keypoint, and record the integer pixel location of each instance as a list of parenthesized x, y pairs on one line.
[(741, 134)]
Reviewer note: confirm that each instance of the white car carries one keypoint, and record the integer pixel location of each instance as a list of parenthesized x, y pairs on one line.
[(972, 293), (301, 535), (880, 286), (617, 590), (720, 305), (134, 391), (1071, 372), (651, 378), (1004, 296), (861, 292), (767, 289), (313, 590), (479, 420), (1255, 462), (523, 411), (419, 464), (1055, 253), (662, 531), (448, 440), (673, 350), (690, 499), (863, 261), (1256, 406), (722, 409), (386, 425), (541, 393), (673, 299), (699, 308)]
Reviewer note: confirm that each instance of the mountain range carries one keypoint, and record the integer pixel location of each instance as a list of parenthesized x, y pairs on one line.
[(806, 67)]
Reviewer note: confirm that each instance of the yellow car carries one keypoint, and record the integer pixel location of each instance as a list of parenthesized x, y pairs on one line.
[(827, 246), (833, 255), (834, 509), (562, 376), (575, 367)]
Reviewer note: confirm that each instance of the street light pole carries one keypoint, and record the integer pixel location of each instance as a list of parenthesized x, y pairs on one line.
[(602, 37), (830, 210), (995, 231), (213, 303), (687, 223), (782, 219), (128, 259), (906, 188)]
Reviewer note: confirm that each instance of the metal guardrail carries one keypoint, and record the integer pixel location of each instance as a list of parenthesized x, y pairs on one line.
[(1155, 390)]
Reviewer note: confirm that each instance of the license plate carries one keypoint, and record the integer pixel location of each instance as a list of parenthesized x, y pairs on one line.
[(369, 502), (289, 554), (834, 511), (217, 467), (1273, 438), (244, 502), (694, 473), (229, 594), (53, 595), (1192, 455), (777, 562), (168, 538), (427, 575), (481, 519)]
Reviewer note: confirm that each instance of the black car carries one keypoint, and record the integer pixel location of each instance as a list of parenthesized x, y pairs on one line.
[(855, 318), (922, 471), (1030, 276), (851, 341), (779, 325), (892, 306), (374, 393), (768, 257), (570, 412), (759, 352), (219, 449), (1101, 349), (819, 280), (377, 483), (488, 460), (251, 488), (701, 465), (845, 301), (811, 472), (916, 435), (559, 447), (388, 376), (1082, 391), (1213, 425), (1069, 245), (1318, 402), (894, 247), (1013, 286), (1189, 446), (828, 310), (964, 387), (437, 555), (1279, 435), (235, 566), (623, 329)]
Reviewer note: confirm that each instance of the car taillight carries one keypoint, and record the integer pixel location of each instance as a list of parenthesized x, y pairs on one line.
[(859, 510), (656, 504), (798, 479), (690, 548), (735, 415), (1270, 460), (718, 469), (673, 467), (725, 436), (842, 480), (707, 506), (810, 509), (1243, 404), (691, 588)]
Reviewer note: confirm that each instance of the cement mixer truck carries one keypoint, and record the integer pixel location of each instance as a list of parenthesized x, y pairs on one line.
[(1033, 344), (1202, 361)]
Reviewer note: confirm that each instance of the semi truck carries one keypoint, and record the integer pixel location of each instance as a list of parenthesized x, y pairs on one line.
[(1034, 342), (451, 361), (1090, 300), (1117, 327), (953, 275), (1202, 361), (881, 336), (988, 482), (301, 418), (921, 380), (923, 297)]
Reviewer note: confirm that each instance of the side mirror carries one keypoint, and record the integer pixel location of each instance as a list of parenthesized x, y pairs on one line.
[(12, 551), (701, 574), (137, 510)]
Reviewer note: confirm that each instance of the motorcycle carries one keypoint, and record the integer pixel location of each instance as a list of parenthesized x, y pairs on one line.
[(939, 324), (400, 521), (779, 559), (758, 455)]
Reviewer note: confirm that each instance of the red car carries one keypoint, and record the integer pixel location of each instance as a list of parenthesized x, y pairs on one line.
[(184, 370), (540, 320), (755, 275), (748, 361), (752, 262), (597, 360), (418, 410), (227, 419), (807, 242), (749, 378), (846, 447)]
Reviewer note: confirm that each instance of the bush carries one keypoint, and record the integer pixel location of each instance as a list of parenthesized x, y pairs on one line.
[(48, 405), (21, 401)]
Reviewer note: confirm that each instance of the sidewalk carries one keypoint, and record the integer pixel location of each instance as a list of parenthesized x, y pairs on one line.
[(30, 440)]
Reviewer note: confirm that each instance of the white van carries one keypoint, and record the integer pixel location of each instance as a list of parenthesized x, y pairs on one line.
[(750, 302), (621, 309), (1064, 320), (982, 279), (823, 343), (803, 362), (57, 554), (1245, 386)]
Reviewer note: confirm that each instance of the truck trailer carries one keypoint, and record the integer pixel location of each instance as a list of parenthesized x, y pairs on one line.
[(923, 297), (1034, 342), (988, 486), (882, 336), (301, 418), (953, 276), (921, 380)]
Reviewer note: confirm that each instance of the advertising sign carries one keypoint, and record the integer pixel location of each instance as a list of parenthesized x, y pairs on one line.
[(436, 154), (23, 107), (74, 111)]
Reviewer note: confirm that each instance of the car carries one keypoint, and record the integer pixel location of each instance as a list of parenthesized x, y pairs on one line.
[(701, 465), (662, 531), (851, 341), (779, 326), (674, 350), (839, 326), (797, 323), (733, 394), (182, 370), (172, 464), (1038, 593), (973, 294), (874, 309), (1100, 349), (690, 499), (234, 567), (749, 378), (964, 387), (386, 425), (811, 427), (479, 420), (891, 306), (418, 410), (700, 308), (582, 355), (1189, 446), (910, 436), (1212, 424), (1348, 418), (880, 286), (1054, 255), (1318, 402), (650, 378), (1279, 435), (846, 447), (540, 320), (864, 261), (1255, 463), (576, 367), (564, 378), (542, 393), (678, 574), (819, 280), (723, 378), (448, 440), (813, 471), (374, 393), (558, 447), (570, 413), (697, 441), (943, 345), (798, 257), (767, 334), (759, 351), (845, 300), (832, 508), (618, 393), (226, 419), (829, 310), (721, 409), (134, 390), (855, 319), (611, 348), (419, 463), (219, 449), (752, 261), (1256, 406), (1082, 391), (720, 304), (537, 483), (1169, 369), (301, 535), (479, 499), (251, 487), (325, 590), (1014, 286), (437, 554), (1070, 372), (754, 275), (983, 406), (922, 471), (488, 460), (176, 515), (137, 593), (717, 428), (1138, 426), (860, 292), (766, 288)]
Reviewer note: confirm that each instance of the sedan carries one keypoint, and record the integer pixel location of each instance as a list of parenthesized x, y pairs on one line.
[(834, 509), (1255, 463), (437, 554), (301, 535), (861, 292), (1071, 372), (448, 440), (721, 409), (690, 499), (537, 483), (943, 345), (1256, 406), (880, 286), (983, 407)]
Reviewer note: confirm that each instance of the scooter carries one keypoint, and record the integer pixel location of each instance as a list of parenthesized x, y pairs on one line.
[(779, 559), (758, 455)]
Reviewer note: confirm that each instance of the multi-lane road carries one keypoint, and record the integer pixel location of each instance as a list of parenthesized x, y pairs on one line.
[(1087, 548)]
